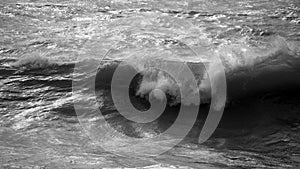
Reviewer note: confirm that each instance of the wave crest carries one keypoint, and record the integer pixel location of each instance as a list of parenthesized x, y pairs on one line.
[(34, 61)]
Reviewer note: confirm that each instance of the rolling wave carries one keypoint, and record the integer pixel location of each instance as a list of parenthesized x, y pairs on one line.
[(249, 71)]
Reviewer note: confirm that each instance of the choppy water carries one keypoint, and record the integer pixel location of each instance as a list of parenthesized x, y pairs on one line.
[(41, 43)]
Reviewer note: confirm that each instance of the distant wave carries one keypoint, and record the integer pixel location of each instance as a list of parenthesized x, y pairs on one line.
[(34, 61), (39, 60)]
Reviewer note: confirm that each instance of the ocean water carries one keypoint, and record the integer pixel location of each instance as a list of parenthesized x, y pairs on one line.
[(59, 57)]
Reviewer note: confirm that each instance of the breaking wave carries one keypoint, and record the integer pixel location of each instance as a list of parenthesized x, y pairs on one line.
[(34, 61), (248, 71)]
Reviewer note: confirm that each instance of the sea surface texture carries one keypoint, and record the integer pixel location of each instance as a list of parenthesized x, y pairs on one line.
[(47, 47)]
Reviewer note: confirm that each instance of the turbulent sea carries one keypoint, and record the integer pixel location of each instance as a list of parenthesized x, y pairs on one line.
[(47, 47)]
